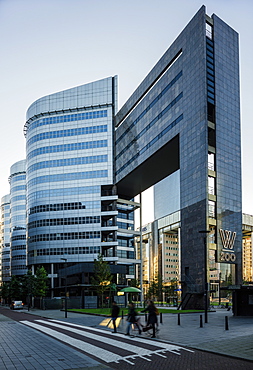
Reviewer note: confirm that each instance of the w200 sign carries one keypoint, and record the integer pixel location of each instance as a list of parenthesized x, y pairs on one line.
[(228, 239)]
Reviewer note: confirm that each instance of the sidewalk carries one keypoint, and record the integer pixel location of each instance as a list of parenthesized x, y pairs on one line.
[(23, 348), (237, 341)]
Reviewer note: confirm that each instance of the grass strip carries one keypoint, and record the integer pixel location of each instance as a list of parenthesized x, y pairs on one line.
[(107, 311)]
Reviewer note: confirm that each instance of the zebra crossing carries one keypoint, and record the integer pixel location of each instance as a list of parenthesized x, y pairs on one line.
[(105, 346)]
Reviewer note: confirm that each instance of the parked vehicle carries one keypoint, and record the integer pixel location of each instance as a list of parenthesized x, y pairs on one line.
[(16, 305)]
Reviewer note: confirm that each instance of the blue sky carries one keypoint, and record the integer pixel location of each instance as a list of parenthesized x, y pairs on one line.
[(51, 45)]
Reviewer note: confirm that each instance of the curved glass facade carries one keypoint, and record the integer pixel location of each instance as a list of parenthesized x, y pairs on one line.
[(17, 181), (69, 160)]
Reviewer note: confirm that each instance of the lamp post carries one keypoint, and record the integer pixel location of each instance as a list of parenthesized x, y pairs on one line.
[(29, 293), (29, 288), (205, 232), (65, 305), (141, 264), (219, 288)]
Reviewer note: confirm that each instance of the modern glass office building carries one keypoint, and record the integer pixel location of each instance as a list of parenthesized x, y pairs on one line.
[(5, 239), (163, 255), (247, 253), (17, 180), (180, 131), (71, 198)]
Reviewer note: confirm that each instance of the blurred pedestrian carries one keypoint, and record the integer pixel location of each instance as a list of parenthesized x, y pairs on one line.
[(152, 316), (114, 315), (132, 318)]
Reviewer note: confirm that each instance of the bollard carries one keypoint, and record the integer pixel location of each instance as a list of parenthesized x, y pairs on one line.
[(161, 318), (201, 322), (122, 314), (178, 319), (226, 322), (146, 317)]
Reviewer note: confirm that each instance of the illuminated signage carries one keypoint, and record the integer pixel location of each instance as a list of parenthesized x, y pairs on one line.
[(227, 239)]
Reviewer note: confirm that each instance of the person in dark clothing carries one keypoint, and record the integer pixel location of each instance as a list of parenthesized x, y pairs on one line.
[(152, 316), (131, 318), (114, 315)]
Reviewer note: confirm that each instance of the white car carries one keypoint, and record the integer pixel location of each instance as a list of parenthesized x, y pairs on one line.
[(16, 305)]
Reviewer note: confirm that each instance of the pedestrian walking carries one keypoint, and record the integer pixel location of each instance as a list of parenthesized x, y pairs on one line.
[(114, 315), (132, 318), (152, 316)]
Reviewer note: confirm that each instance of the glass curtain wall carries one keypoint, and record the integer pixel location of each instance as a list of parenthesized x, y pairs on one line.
[(17, 182)]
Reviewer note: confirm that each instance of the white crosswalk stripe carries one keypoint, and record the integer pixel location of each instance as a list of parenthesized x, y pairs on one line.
[(84, 346), (166, 346), (96, 334)]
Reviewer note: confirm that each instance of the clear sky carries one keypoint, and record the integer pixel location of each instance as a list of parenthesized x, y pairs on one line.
[(51, 45)]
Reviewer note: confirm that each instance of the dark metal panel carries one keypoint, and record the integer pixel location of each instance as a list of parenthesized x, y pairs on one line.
[(160, 165)]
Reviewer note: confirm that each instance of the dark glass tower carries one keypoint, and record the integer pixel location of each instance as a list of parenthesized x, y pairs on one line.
[(185, 116)]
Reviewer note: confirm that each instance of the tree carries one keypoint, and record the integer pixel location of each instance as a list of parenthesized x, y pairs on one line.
[(152, 290), (160, 288), (134, 283), (41, 280), (5, 291), (156, 288), (171, 291), (21, 287), (12, 289), (15, 288), (28, 286), (228, 281), (102, 276), (171, 288)]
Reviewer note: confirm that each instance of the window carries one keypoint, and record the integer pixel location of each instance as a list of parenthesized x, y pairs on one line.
[(64, 236), (68, 162), (152, 123), (68, 177), (150, 106), (68, 147), (211, 162), (209, 31), (64, 206), (64, 221), (146, 147), (211, 209), (64, 191), (67, 118), (67, 250), (65, 133), (211, 185)]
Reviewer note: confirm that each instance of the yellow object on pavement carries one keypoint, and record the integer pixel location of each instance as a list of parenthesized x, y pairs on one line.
[(108, 322)]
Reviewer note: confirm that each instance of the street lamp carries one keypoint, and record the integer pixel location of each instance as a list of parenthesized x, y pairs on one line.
[(205, 232), (65, 265), (219, 288), (141, 264)]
